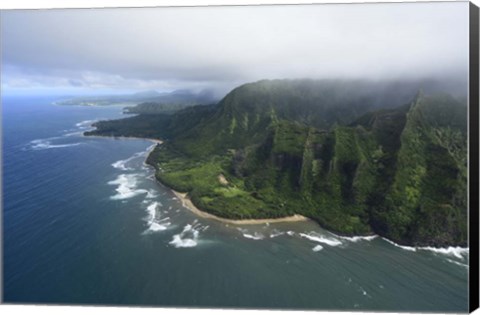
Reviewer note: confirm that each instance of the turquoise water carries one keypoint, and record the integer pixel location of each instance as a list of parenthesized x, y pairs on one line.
[(85, 223)]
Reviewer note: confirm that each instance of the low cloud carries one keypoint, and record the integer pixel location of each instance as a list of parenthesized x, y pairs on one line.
[(220, 47)]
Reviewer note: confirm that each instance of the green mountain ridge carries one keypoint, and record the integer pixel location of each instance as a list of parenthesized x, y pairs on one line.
[(325, 149)]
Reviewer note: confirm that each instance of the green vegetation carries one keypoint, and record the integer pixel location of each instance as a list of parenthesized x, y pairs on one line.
[(142, 126), (155, 108), (321, 149), (149, 102)]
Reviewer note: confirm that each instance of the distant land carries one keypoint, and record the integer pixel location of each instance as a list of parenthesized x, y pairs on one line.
[(147, 101), (356, 156)]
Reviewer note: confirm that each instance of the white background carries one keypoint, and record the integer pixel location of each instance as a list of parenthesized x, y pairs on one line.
[(74, 310)]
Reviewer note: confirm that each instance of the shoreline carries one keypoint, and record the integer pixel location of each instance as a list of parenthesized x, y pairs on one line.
[(187, 203), (157, 141)]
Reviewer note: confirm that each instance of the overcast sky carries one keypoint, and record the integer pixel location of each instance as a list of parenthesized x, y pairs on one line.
[(117, 50)]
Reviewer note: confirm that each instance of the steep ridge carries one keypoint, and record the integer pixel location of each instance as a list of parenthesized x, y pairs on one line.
[(246, 112), (327, 150)]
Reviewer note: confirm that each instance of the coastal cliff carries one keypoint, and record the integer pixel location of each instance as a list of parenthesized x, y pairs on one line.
[(321, 149)]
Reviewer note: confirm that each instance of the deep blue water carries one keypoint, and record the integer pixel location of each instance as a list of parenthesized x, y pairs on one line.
[(84, 222)]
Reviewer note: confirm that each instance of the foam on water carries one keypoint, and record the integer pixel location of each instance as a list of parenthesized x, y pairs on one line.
[(121, 164), (85, 123), (317, 248), (355, 239), (255, 236), (127, 187), (154, 223), (151, 194), (409, 248), (457, 263), (188, 237), (321, 239), (71, 134), (43, 144), (276, 233), (458, 252)]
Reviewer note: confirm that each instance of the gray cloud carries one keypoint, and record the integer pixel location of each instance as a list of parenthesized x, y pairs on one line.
[(168, 48)]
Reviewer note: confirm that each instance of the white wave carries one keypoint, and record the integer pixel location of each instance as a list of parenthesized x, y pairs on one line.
[(355, 239), (155, 227), (321, 239), (121, 164), (85, 123), (276, 233), (458, 252), (410, 248), (71, 134), (255, 236), (152, 211), (127, 187), (43, 144), (187, 238), (150, 148), (457, 263), (242, 230), (151, 194), (290, 233), (317, 248), (154, 223)]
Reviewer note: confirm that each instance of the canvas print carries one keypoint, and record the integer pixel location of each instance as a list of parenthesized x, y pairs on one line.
[(270, 157)]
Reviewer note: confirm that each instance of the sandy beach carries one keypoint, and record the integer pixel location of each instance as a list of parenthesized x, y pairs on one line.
[(187, 203)]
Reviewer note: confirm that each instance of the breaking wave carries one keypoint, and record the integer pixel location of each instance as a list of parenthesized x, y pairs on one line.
[(122, 164), (154, 223), (127, 187), (43, 144), (321, 239), (276, 233), (188, 237), (457, 263), (409, 248), (458, 252), (255, 236), (355, 239), (85, 123)]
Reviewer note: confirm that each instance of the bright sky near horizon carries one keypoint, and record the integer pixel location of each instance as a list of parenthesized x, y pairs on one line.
[(114, 50)]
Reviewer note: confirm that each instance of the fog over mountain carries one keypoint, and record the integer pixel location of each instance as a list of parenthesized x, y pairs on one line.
[(117, 50)]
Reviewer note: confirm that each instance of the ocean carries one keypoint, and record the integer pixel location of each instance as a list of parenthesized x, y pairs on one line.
[(84, 222)]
